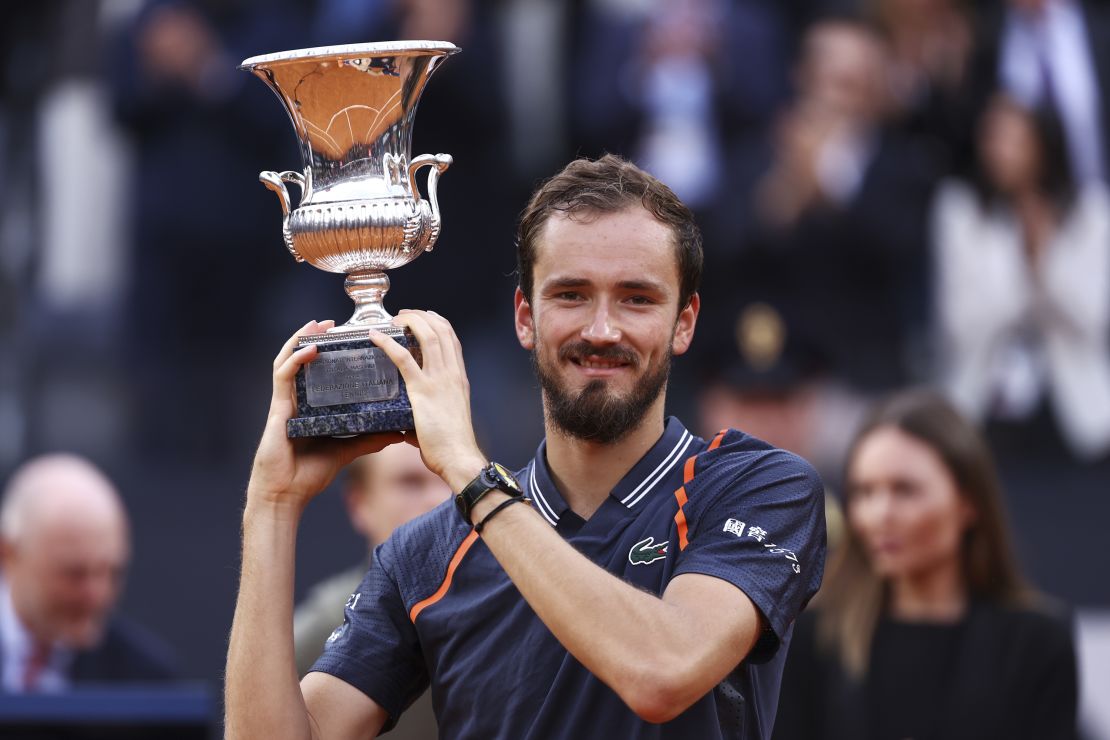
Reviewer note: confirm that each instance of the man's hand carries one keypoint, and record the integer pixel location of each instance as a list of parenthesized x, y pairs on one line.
[(440, 396), (290, 472)]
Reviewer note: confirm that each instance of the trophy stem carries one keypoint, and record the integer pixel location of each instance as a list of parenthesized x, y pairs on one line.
[(367, 290)]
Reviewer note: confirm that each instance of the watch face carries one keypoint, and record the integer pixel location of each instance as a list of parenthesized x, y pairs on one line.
[(506, 477)]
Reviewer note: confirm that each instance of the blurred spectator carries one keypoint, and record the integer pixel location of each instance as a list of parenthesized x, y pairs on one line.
[(930, 45), (835, 241), (384, 490), (1054, 54), (670, 83), (757, 376), (209, 264), (64, 549), (926, 628), (1023, 283)]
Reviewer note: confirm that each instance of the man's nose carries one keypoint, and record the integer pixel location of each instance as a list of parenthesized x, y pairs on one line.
[(601, 328)]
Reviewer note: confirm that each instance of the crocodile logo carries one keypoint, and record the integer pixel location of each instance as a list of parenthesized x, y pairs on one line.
[(646, 552)]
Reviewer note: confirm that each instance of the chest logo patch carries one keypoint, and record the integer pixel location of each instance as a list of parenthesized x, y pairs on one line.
[(646, 552)]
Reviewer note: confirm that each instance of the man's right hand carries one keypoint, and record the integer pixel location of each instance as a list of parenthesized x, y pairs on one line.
[(288, 473)]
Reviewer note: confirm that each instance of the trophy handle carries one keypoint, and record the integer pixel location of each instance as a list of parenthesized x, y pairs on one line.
[(276, 181), (439, 164)]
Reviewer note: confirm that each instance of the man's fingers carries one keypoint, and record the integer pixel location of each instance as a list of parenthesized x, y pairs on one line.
[(400, 356), (291, 344), (426, 336), (436, 336)]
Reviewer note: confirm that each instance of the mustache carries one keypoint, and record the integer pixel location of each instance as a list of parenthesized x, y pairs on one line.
[(581, 350)]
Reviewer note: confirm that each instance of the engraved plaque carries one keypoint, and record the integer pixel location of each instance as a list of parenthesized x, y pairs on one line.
[(351, 376)]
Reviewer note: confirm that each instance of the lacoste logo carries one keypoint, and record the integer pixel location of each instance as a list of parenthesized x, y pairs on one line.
[(646, 552)]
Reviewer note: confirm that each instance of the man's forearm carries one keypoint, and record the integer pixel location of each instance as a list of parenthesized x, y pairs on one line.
[(263, 696), (659, 655)]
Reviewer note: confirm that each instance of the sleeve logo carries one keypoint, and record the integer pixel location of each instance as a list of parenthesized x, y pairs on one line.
[(735, 526)]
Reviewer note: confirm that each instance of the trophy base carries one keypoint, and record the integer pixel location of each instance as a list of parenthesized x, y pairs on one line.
[(352, 387)]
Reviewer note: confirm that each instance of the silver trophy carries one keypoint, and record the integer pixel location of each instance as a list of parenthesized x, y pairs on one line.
[(360, 213)]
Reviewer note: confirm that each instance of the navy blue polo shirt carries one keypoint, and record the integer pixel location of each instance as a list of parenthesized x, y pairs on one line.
[(436, 607)]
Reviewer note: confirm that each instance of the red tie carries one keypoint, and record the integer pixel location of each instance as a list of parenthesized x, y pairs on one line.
[(36, 663)]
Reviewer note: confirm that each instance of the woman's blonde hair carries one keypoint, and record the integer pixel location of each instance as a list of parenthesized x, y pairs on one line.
[(854, 596)]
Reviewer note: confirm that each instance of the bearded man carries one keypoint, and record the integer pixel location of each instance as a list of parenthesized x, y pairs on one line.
[(631, 581)]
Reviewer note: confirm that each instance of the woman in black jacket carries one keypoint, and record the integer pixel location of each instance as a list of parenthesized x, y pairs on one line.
[(925, 628)]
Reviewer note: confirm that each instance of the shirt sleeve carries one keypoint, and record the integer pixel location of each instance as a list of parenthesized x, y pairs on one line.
[(756, 520), (376, 649)]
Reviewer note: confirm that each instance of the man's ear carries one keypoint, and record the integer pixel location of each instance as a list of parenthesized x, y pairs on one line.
[(684, 325), (522, 312)]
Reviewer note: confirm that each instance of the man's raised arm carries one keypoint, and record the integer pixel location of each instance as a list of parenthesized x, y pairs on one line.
[(263, 698)]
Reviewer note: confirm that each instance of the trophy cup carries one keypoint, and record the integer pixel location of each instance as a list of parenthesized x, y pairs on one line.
[(360, 213)]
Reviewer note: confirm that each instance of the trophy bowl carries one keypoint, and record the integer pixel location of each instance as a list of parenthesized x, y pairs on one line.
[(360, 213)]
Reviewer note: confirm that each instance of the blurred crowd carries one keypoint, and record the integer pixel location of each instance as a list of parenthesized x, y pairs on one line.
[(893, 193)]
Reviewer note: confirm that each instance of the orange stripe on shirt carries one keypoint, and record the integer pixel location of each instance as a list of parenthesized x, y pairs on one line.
[(680, 516), (680, 494), (717, 440), (442, 590)]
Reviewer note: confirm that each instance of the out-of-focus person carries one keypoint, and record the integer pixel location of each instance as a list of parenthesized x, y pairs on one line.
[(64, 551), (835, 237), (931, 45), (1053, 54), (383, 491), (926, 627), (1023, 285)]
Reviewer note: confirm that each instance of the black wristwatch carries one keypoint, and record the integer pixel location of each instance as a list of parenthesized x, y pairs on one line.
[(492, 477)]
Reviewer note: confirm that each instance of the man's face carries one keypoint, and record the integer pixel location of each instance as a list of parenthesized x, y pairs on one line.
[(397, 487), (604, 320), (65, 577)]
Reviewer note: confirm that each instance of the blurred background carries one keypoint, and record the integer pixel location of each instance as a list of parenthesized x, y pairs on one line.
[(892, 193)]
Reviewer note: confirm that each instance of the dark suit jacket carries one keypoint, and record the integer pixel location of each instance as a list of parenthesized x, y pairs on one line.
[(126, 654), (1014, 679)]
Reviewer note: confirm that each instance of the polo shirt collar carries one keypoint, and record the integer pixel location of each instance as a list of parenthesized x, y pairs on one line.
[(638, 485)]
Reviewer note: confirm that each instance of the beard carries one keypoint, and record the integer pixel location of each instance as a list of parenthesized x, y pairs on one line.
[(595, 414)]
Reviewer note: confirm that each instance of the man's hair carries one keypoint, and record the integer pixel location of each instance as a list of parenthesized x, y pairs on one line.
[(609, 185)]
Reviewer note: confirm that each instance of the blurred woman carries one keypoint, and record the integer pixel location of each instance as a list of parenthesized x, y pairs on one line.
[(1022, 260), (926, 628)]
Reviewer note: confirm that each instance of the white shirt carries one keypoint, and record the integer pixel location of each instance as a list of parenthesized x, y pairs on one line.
[(989, 303), (1054, 44), (16, 645)]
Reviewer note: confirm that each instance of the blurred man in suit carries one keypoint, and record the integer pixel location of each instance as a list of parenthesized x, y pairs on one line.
[(64, 550)]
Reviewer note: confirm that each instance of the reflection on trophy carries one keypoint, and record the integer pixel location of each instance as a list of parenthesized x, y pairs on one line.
[(360, 213)]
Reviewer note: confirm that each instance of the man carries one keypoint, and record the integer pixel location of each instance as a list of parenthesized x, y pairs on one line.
[(64, 551), (637, 591)]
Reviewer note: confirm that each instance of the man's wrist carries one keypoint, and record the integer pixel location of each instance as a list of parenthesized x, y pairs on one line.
[(459, 475), (494, 498), (269, 506)]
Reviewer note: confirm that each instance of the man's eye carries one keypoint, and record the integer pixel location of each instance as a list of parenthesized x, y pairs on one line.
[(641, 300), (568, 295)]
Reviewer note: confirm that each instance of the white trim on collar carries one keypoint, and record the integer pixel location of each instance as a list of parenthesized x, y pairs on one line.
[(542, 506), (660, 471)]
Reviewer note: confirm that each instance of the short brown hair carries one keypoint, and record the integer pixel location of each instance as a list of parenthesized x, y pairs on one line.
[(608, 185)]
